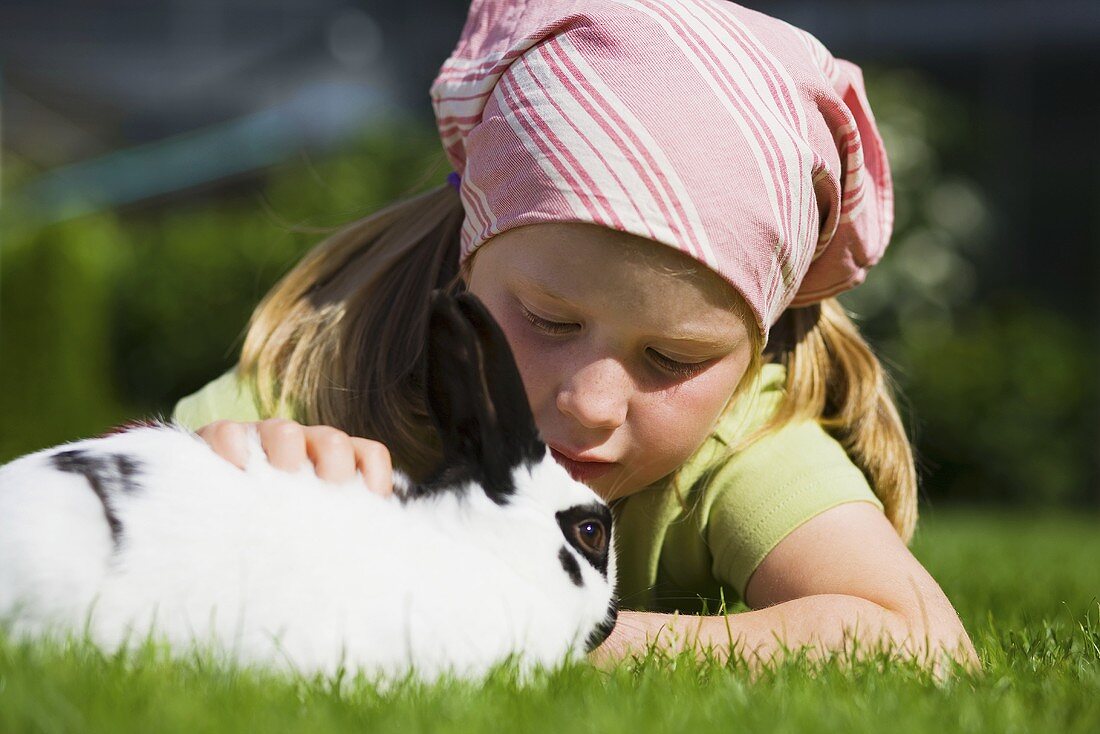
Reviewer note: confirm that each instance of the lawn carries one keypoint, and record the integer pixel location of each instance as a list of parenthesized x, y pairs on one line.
[(1027, 587)]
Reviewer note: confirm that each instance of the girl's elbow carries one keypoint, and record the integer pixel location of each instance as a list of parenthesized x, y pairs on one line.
[(936, 636)]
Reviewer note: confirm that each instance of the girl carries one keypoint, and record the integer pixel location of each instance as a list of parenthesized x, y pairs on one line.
[(657, 201)]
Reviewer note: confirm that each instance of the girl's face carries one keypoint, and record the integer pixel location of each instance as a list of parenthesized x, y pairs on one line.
[(629, 349)]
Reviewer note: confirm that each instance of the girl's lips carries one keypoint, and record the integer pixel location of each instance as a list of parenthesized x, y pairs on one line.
[(582, 471)]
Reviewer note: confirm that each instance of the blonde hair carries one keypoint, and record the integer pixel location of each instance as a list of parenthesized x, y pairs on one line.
[(314, 349), (835, 378)]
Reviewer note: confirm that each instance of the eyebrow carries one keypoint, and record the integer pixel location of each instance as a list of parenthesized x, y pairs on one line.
[(687, 337), (539, 286)]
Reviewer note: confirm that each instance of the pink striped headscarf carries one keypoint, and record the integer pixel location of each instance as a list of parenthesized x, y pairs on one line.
[(725, 133)]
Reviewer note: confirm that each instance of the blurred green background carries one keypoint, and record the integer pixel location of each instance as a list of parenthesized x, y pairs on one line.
[(110, 312)]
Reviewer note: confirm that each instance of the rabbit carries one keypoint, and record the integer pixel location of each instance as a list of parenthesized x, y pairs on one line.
[(500, 555)]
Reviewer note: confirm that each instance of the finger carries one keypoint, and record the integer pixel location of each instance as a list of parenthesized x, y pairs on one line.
[(373, 461), (330, 451), (228, 439), (284, 442)]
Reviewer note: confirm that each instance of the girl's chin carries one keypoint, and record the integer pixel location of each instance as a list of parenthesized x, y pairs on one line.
[(606, 480), (611, 488)]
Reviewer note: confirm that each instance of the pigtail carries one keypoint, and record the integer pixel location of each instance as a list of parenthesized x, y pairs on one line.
[(339, 340), (834, 377)]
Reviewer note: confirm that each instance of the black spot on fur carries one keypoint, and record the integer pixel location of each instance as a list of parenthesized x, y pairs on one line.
[(107, 474), (569, 563), (518, 434), (476, 398), (568, 518), (603, 629)]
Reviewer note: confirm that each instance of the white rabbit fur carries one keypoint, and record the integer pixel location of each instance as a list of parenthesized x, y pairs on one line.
[(287, 570)]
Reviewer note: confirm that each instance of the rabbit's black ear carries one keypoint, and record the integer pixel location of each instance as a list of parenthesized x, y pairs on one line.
[(515, 425), (461, 407)]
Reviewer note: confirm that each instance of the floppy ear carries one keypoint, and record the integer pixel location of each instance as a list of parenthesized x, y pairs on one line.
[(459, 403), (514, 422)]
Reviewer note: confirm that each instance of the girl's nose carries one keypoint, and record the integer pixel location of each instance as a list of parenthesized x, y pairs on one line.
[(597, 395)]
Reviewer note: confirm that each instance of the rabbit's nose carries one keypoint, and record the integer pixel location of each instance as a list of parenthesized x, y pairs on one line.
[(597, 395)]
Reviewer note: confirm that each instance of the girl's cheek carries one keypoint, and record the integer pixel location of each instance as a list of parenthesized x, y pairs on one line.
[(679, 420), (534, 361)]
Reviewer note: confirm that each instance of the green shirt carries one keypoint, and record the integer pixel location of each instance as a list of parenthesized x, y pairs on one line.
[(690, 553), (686, 552)]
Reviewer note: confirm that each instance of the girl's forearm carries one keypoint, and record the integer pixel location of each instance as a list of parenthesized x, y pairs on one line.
[(819, 624)]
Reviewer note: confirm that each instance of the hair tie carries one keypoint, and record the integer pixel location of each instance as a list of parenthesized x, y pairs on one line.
[(454, 180)]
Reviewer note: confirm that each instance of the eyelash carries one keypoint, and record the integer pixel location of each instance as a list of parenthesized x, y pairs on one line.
[(680, 369)]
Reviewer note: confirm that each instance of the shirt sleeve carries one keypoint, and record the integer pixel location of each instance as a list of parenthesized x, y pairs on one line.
[(762, 493), (226, 398)]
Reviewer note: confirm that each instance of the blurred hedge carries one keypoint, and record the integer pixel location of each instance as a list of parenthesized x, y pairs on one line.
[(119, 314), (1000, 391)]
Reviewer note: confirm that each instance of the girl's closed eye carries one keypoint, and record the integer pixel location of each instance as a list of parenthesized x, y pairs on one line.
[(547, 325), (665, 363)]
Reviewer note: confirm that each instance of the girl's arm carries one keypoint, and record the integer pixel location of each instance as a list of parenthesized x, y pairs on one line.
[(844, 574)]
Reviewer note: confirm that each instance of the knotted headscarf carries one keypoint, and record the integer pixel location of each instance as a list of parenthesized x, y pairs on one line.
[(725, 133)]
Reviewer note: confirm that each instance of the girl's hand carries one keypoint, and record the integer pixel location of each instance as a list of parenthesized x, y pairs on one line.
[(335, 455)]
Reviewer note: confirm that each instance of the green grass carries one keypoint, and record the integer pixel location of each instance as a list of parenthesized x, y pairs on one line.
[(1027, 588)]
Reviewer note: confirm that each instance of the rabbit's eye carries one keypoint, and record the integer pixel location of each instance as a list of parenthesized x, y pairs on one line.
[(587, 528), (591, 535)]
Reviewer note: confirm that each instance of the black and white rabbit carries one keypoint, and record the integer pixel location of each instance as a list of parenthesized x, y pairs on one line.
[(148, 532)]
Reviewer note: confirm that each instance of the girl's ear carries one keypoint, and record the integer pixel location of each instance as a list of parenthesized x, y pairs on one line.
[(461, 406)]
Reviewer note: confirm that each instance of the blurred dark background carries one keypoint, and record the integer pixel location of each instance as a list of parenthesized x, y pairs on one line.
[(163, 163)]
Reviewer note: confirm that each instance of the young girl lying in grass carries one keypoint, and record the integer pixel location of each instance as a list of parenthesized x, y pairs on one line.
[(657, 200)]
